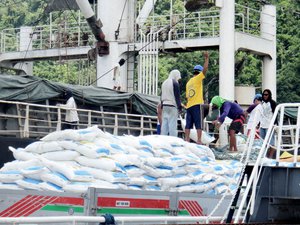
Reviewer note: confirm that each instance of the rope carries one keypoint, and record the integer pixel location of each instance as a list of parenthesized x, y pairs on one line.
[(118, 29), (150, 42), (35, 26)]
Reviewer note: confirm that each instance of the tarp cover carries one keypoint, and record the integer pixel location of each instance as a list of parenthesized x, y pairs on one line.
[(291, 112), (34, 89)]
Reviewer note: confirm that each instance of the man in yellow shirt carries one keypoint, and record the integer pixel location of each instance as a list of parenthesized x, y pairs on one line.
[(194, 95)]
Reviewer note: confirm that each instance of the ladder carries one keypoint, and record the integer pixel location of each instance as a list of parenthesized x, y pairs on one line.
[(265, 178)]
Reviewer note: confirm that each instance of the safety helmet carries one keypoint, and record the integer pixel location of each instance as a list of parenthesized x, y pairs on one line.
[(198, 68)]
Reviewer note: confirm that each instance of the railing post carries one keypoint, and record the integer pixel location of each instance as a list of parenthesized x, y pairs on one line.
[(20, 120), (103, 119), (89, 118), (199, 24), (142, 126), (213, 24), (26, 122), (116, 125), (279, 133), (79, 29), (1, 41), (58, 127), (248, 18), (297, 137), (243, 22)]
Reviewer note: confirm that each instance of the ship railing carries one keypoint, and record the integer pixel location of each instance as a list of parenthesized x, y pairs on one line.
[(101, 220), (47, 37), (186, 25), (247, 20), (202, 24), (27, 120), (282, 144)]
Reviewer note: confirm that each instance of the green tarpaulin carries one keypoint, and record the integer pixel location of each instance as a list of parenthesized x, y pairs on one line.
[(291, 112), (33, 89)]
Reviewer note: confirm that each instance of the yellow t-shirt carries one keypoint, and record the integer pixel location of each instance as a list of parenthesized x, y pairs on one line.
[(194, 90)]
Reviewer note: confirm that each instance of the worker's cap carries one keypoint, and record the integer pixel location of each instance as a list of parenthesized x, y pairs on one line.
[(257, 97), (175, 74), (198, 68)]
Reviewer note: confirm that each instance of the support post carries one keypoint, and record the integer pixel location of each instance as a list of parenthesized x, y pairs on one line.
[(227, 49), (226, 60), (268, 31)]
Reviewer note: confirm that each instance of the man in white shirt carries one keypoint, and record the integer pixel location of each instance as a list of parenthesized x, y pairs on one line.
[(71, 119)]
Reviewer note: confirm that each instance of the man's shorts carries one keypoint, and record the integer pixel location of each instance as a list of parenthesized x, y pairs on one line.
[(237, 124), (193, 116)]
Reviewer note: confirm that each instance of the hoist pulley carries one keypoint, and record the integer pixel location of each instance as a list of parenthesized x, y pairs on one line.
[(195, 5)]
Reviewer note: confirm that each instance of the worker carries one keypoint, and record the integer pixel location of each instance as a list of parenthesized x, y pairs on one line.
[(171, 104), (233, 111), (194, 95), (71, 118)]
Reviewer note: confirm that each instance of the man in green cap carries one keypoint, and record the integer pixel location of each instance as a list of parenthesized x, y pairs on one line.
[(233, 111)]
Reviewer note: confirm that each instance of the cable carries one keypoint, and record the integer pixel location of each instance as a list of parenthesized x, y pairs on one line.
[(117, 32), (37, 21), (166, 27), (72, 13)]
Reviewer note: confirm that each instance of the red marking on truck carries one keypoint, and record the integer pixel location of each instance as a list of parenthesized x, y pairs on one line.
[(45, 200), (10, 211), (69, 201), (30, 204), (27, 205), (134, 202), (193, 207)]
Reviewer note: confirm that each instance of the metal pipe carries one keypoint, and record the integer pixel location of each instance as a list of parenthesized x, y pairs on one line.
[(100, 219), (90, 17), (297, 137), (257, 164), (279, 134)]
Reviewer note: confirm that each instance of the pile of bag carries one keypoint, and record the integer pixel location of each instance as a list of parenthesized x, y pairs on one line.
[(73, 160)]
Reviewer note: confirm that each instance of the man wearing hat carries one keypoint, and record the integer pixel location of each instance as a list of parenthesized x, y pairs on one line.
[(194, 95), (234, 112), (170, 104)]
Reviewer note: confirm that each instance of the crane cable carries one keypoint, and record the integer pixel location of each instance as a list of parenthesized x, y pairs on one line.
[(143, 47), (117, 32), (31, 37)]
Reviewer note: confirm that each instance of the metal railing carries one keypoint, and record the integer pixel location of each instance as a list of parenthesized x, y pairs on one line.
[(247, 20), (27, 120), (100, 219), (281, 145), (47, 37), (184, 26), (172, 27)]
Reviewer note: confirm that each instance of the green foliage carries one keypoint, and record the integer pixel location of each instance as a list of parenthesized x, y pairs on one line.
[(71, 72), (288, 51), (17, 13)]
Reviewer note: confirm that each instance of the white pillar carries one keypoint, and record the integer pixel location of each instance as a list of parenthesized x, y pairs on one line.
[(110, 14), (268, 31), (26, 34), (226, 60), (227, 50)]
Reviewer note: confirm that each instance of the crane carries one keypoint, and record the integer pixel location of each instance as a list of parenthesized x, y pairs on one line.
[(102, 46)]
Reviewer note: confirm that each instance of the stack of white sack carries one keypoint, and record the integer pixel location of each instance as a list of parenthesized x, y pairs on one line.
[(73, 160)]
